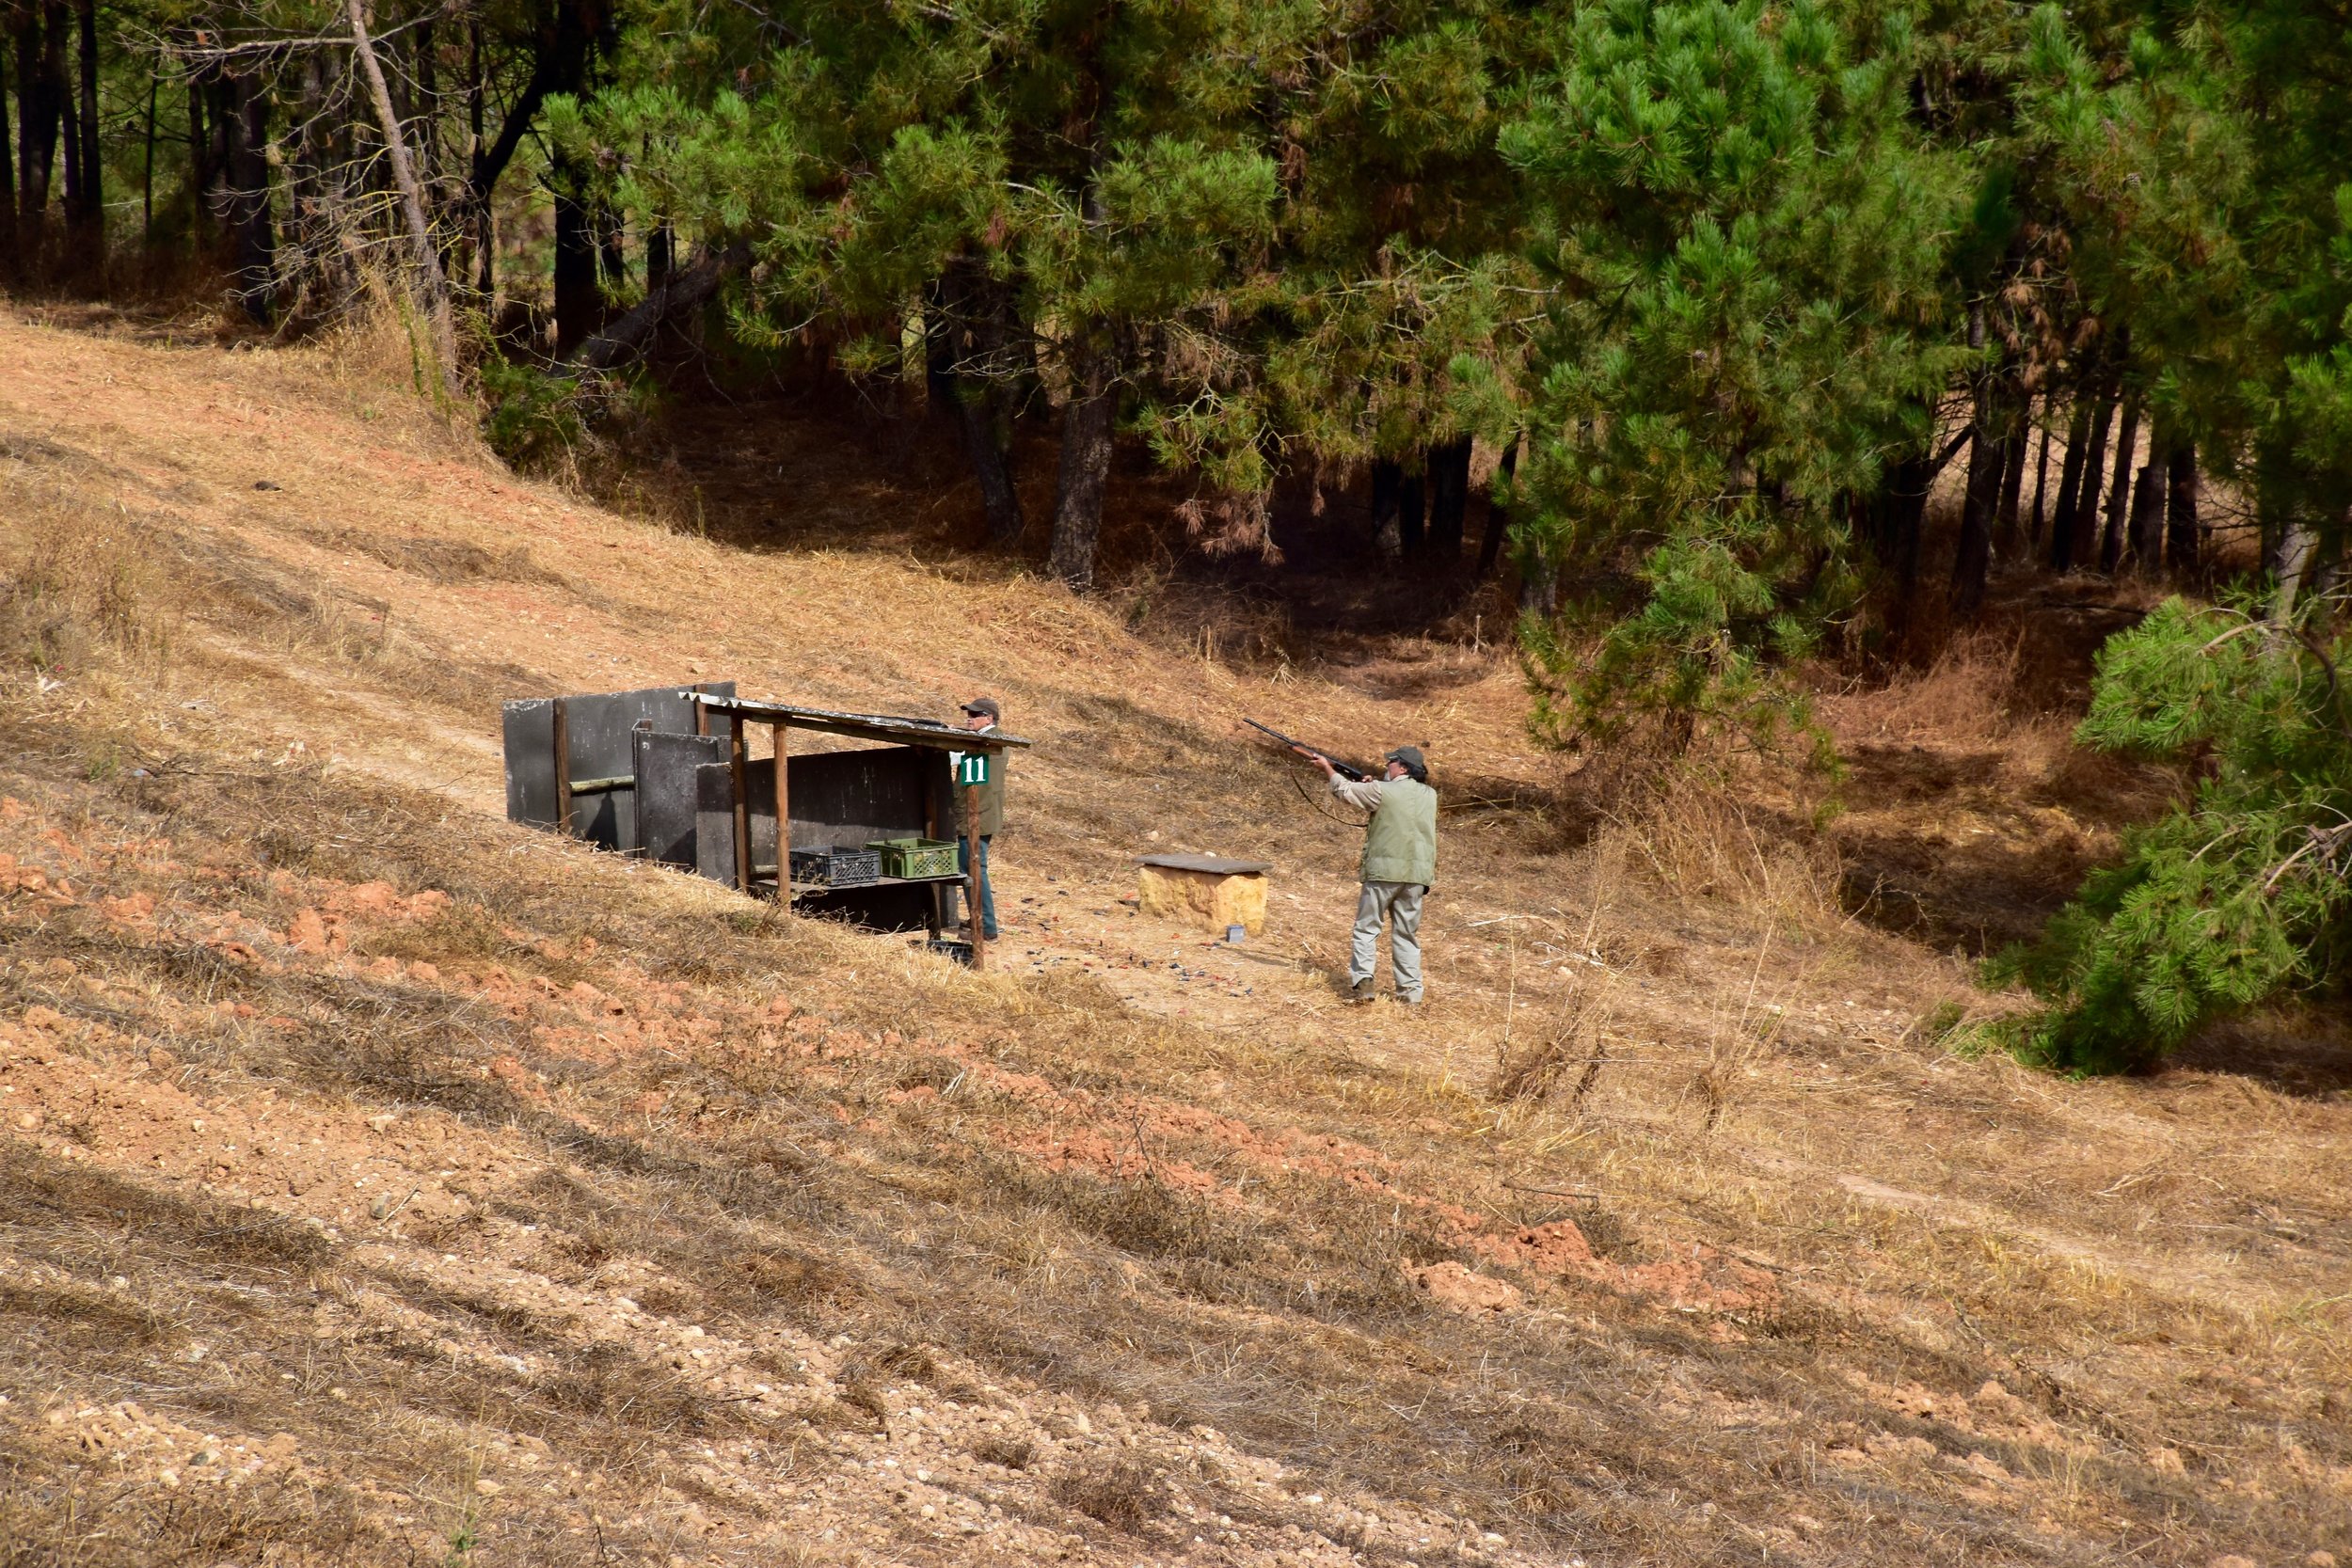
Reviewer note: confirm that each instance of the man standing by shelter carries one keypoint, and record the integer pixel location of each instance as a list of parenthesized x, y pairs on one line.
[(979, 716), (1400, 863)]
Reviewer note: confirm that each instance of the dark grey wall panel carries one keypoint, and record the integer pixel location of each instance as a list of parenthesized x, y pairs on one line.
[(667, 793), (598, 727), (846, 798), (714, 817)]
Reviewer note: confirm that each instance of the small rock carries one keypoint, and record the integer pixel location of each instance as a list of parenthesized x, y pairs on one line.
[(267, 484)]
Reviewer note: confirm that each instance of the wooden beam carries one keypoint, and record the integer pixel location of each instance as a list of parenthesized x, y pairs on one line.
[(562, 767), (783, 819)]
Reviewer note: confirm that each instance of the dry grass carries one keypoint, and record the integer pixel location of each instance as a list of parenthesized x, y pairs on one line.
[(1045, 1192), (77, 579)]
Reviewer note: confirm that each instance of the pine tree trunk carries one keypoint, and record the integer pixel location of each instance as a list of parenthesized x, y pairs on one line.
[(251, 229), (38, 108), (992, 465), (2119, 489), (577, 305), (2084, 526), (1411, 517), (313, 216), (92, 182), (146, 184), (2041, 484), (1987, 461), (660, 255), (2147, 525), (1895, 517), (943, 337), (2182, 539), (559, 65), (1449, 500), (2298, 543), (1498, 514), (611, 249), (56, 64), (1085, 466), (2015, 428), (966, 361), (1539, 586), (2070, 486), (1387, 501), (199, 164), (9, 257), (477, 201)]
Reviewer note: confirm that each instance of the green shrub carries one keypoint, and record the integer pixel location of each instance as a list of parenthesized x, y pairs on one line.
[(2236, 896), (534, 419)]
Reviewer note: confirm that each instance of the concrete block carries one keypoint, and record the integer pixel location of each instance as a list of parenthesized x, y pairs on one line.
[(1211, 900)]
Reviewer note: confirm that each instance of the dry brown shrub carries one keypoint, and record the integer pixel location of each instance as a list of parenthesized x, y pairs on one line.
[(1573, 1041), (80, 578), (1013, 1453), (1123, 1494), (1700, 836), (1966, 696)]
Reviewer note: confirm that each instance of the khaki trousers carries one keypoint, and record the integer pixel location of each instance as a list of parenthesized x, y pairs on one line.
[(1399, 904)]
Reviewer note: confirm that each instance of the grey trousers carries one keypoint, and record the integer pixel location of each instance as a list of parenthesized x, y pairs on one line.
[(1399, 903)]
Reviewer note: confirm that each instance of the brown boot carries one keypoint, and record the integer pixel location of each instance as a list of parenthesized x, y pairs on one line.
[(1361, 991)]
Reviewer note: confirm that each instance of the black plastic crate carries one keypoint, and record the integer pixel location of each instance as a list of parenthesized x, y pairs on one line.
[(836, 867), (947, 947)]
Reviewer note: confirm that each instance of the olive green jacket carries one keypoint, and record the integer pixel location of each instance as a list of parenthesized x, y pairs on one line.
[(1401, 845)]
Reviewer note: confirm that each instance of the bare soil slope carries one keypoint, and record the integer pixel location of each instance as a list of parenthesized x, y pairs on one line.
[(381, 1183)]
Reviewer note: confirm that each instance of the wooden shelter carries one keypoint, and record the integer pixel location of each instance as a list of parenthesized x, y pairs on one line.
[(672, 775)]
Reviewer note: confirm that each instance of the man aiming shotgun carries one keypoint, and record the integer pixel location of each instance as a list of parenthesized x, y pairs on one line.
[(1399, 861)]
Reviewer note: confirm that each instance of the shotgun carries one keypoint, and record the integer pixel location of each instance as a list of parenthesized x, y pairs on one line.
[(1348, 770)]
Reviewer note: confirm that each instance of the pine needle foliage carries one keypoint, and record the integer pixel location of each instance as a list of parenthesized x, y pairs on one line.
[(2237, 896), (1746, 233)]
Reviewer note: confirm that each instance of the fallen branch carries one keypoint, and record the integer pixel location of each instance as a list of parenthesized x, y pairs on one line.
[(682, 292)]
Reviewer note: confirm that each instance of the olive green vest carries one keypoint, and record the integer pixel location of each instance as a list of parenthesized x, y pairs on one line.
[(992, 798), (992, 794), (1401, 846)]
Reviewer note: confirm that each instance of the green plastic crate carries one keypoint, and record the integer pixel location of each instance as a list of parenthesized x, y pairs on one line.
[(922, 858)]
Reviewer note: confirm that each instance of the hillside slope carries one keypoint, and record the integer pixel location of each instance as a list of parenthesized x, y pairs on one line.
[(384, 1183)]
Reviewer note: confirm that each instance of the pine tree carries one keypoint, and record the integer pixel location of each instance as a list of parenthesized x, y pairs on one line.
[(2232, 897), (1747, 236)]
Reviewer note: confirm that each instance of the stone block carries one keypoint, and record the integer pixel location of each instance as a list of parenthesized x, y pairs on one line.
[(1209, 899)]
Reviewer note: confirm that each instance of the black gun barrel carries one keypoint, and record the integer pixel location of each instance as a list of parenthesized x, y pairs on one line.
[(1348, 770)]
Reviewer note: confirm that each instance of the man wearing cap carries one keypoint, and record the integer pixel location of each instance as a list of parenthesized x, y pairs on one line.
[(1400, 863), (979, 716)]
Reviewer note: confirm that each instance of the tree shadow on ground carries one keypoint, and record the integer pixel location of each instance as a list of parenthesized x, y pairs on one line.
[(2304, 1050)]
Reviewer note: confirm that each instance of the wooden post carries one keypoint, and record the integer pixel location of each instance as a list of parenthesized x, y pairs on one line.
[(738, 773), (937, 892), (972, 875), (702, 714), (784, 822), (562, 767)]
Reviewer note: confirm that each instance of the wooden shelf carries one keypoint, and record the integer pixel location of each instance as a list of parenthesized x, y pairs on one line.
[(800, 889)]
